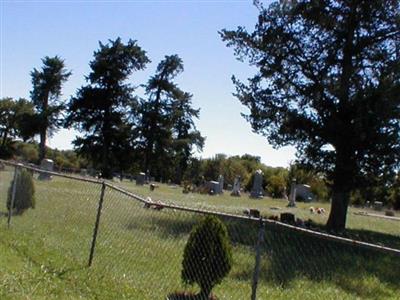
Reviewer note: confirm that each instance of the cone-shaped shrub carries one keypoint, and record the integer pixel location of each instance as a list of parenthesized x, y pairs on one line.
[(207, 257), (24, 193)]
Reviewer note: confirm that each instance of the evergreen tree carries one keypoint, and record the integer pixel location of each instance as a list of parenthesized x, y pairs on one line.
[(45, 95), (207, 257), (104, 110), (185, 135), (157, 118), (328, 82)]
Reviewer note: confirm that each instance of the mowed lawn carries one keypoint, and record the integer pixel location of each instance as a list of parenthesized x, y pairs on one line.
[(44, 254)]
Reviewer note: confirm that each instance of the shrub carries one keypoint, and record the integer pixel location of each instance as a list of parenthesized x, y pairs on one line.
[(207, 257), (24, 193), (276, 186)]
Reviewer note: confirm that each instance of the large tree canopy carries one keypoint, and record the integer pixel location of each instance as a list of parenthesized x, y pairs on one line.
[(103, 110), (167, 130), (328, 83), (45, 94)]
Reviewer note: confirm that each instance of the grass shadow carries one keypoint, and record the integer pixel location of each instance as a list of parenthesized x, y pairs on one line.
[(290, 255)]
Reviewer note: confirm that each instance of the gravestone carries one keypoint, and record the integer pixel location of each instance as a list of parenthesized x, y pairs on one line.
[(236, 187), (140, 178), (213, 187), (287, 218), (254, 213), (303, 191), (378, 205), (292, 196), (257, 190), (221, 184), (83, 172), (47, 165)]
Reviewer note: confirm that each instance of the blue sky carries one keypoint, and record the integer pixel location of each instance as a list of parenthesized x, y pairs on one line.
[(71, 29)]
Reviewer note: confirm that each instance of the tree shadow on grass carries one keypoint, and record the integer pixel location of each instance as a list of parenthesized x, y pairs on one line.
[(188, 296), (289, 255), (179, 225)]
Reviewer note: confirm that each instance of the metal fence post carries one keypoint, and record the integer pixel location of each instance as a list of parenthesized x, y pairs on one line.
[(14, 189), (96, 226), (258, 260)]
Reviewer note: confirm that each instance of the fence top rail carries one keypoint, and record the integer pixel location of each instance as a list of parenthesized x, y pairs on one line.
[(39, 170), (318, 234)]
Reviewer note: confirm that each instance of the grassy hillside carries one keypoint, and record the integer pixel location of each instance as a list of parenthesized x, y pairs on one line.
[(139, 251)]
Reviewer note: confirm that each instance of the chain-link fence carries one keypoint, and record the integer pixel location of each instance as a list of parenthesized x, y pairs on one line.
[(140, 243)]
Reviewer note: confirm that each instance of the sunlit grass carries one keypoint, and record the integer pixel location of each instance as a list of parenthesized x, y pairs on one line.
[(44, 254)]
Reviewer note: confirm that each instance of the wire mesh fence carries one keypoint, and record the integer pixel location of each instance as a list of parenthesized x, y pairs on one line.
[(140, 243)]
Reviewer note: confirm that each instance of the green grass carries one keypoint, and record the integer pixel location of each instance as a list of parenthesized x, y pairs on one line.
[(138, 255)]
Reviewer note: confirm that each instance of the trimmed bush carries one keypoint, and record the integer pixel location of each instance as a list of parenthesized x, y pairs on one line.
[(207, 257), (24, 193)]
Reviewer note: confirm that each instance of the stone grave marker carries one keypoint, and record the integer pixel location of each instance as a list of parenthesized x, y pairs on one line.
[(304, 192), (378, 205), (257, 190), (221, 184), (47, 165), (213, 187), (140, 178), (236, 187), (292, 196)]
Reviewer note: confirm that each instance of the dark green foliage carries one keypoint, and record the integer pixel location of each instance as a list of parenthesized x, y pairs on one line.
[(167, 130), (105, 110), (276, 186), (14, 116), (45, 95), (184, 132), (326, 70), (24, 193), (207, 257), (394, 193)]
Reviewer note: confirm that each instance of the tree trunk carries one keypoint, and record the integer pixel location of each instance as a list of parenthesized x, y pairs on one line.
[(343, 180), (42, 145), (4, 138), (205, 293), (106, 171), (338, 214)]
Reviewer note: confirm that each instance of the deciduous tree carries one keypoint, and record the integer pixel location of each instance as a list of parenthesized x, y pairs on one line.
[(328, 82)]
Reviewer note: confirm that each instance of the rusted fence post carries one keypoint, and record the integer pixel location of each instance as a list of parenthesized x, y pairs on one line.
[(256, 273), (96, 226), (14, 190)]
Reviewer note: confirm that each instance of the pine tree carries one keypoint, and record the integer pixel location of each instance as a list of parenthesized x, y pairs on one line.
[(46, 92), (105, 109)]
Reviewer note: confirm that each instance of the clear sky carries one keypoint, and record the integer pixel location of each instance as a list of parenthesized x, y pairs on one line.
[(72, 29)]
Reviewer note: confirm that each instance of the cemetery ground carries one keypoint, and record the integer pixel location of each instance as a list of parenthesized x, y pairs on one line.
[(138, 255)]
